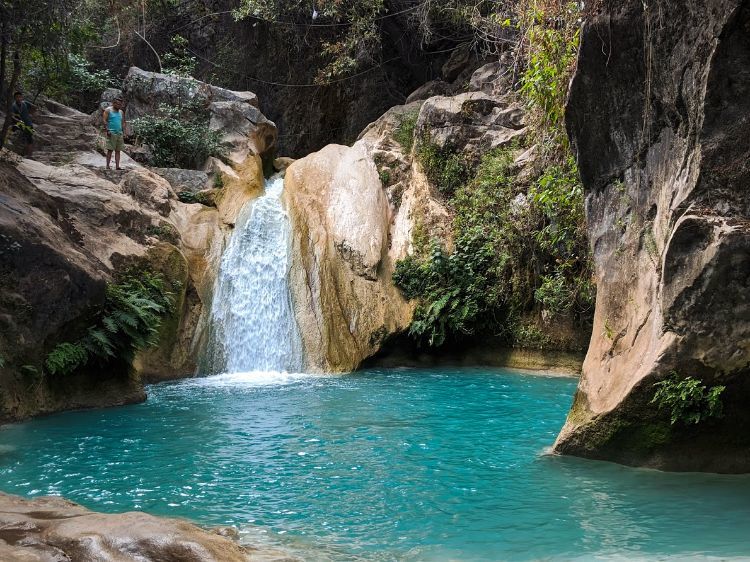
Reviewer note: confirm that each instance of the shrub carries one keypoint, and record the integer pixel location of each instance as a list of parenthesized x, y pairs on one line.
[(129, 321), (688, 401), (456, 290), (404, 133), (179, 61), (445, 167), (503, 262), (178, 138)]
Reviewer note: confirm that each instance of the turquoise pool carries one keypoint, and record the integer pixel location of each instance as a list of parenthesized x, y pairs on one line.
[(409, 465)]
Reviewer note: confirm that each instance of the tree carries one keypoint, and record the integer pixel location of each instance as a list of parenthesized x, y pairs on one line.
[(30, 28)]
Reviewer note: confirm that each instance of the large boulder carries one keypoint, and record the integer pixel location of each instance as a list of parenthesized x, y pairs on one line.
[(59, 236), (472, 122), (245, 130), (340, 277), (145, 91), (658, 114), (51, 529)]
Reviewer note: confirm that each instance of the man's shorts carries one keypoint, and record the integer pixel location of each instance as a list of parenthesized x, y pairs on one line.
[(115, 142)]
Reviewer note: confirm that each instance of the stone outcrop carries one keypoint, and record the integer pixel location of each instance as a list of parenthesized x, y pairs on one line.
[(146, 91), (50, 529), (356, 211), (341, 270), (244, 129), (472, 122), (68, 226), (658, 114)]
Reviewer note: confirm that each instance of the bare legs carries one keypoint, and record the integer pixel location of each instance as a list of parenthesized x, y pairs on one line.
[(117, 159)]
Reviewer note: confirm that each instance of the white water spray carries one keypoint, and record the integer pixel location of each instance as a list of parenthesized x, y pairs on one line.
[(253, 327)]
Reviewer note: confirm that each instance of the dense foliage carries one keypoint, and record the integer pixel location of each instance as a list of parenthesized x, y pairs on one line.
[(129, 321), (517, 246), (520, 243), (687, 399), (354, 29), (445, 166), (179, 137)]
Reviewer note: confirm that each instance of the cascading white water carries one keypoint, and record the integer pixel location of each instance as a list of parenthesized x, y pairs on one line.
[(253, 327)]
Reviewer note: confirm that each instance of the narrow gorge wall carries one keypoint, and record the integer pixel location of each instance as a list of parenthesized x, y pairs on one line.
[(659, 114)]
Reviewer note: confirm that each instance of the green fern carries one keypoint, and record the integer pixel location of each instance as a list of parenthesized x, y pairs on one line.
[(130, 321), (66, 358)]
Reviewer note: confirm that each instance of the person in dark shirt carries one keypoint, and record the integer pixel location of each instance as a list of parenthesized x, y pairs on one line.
[(22, 123)]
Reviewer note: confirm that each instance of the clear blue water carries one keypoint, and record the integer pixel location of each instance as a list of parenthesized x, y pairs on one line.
[(397, 465)]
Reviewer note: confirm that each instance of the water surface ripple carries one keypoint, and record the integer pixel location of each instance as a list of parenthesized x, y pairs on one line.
[(395, 465)]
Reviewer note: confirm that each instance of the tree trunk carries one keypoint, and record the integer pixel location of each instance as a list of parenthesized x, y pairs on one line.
[(3, 59), (9, 102)]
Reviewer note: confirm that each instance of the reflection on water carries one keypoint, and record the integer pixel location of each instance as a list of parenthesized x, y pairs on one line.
[(407, 465)]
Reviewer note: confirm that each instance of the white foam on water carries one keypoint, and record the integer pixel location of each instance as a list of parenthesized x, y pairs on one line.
[(252, 378)]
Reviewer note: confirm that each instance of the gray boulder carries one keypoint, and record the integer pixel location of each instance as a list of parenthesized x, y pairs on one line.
[(475, 122), (245, 130), (181, 180), (145, 91)]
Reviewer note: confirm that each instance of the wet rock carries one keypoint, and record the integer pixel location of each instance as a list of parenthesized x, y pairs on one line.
[(53, 529), (663, 152), (340, 276)]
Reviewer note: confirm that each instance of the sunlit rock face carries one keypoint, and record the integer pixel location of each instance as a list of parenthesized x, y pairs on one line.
[(340, 276), (658, 113), (51, 528)]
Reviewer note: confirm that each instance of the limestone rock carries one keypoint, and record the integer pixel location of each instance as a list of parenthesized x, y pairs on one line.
[(493, 78), (458, 62), (245, 130), (341, 271), (191, 181), (53, 268), (430, 89), (145, 91), (244, 183), (149, 189), (668, 210), (474, 122), (67, 226), (105, 100), (53, 529)]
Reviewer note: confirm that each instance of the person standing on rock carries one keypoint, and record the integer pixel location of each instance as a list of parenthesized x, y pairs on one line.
[(114, 128), (22, 123)]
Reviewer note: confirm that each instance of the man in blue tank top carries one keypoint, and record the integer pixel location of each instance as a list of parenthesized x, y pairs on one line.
[(114, 128)]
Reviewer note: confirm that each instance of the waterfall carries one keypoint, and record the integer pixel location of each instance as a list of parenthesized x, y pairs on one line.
[(253, 327)]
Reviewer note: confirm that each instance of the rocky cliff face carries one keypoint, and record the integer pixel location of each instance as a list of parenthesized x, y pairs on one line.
[(68, 226), (355, 211), (658, 113)]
